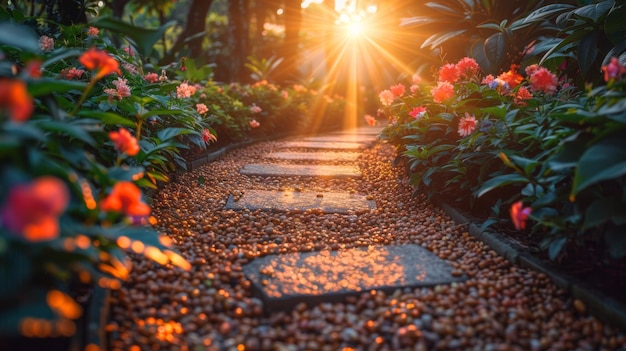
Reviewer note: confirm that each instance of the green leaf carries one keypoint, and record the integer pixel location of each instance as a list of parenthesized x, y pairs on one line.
[(169, 133), (556, 246), (546, 11), (45, 86), (604, 160), (436, 40), (19, 36), (68, 129), (125, 173), (500, 181), (601, 211), (143, 39), (107, 117), (616, 241), (588, 51)]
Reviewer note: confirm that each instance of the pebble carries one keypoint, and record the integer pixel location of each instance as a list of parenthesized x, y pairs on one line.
[(212, 307)]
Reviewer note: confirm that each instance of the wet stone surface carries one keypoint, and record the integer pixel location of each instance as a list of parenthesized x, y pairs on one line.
[(366, 139), (328, 171), (314, 156), (285, 280), (328, 145), (327, 202), (366, 130)]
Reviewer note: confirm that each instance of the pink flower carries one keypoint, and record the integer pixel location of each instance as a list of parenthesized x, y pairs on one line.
[(46, 44), (184, 90), (467, 67), (254, 123), (32, 210), (207, 136), (488, 79), (72, 73), (93, 31), (386, 97), (519, 215), (416, 79), (129, 50), (371, 121), (255, 109), (542, 80), (442, 92), (467, 125), (397, 90), (121, 89), (531, 69), (614, 70), (201, 108), (151, 77), (414, 88), (418, 112), (130, 68), (449, 73), (285, 94)]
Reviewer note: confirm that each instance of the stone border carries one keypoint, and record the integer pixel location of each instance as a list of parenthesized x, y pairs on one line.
[(605, 308)]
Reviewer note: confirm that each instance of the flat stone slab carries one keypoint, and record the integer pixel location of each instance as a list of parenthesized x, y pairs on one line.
[(329, 145), (285, 280), (361, 130), (366, 139), (314, 156), (294, 200), (275, 170)]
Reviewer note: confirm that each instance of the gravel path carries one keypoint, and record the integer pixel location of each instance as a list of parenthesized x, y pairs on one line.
[(500, 307)]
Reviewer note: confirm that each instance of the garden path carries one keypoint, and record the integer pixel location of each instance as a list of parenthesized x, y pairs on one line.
[(317, 244)]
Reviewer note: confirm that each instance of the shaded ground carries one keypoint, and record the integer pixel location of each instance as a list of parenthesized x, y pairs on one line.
[(500, 306)]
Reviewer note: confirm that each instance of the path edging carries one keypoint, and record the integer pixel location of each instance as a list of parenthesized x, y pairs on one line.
[(605, 308)]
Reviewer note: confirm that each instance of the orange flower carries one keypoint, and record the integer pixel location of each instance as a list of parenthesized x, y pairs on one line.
[(125, 142), (126, 198), (14, 98), (32, 209), (519, 215), (511, 77), (99, 61)]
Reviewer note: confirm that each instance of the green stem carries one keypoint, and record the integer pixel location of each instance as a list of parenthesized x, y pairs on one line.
[(83, 97)]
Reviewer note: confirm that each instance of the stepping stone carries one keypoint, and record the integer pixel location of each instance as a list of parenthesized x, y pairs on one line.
[(289, 200), (344, 138), (361, 130), (322, 145), (274, 170), (314, 156), (285, 280)]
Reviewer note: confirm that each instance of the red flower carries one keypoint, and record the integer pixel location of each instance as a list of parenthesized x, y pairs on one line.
[(125, 198), (519, 215), (467, 67), (543, 80), (613, 70), (522, 94), (418, 112), (207, 136), (14, 99), (449, 73), (125, 142), (100, 62), (32, 209), (442, 92), (397, 90)]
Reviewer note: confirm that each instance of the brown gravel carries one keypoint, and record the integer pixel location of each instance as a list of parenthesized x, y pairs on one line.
[(501, 306)]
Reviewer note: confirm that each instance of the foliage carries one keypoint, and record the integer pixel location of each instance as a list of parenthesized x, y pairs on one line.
[(589, 36), (500, 140), (493, 32)]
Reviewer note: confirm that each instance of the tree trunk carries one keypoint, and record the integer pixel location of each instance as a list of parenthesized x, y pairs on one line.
[(195, 23), (290, 49), (239, 38), (117, 7)]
